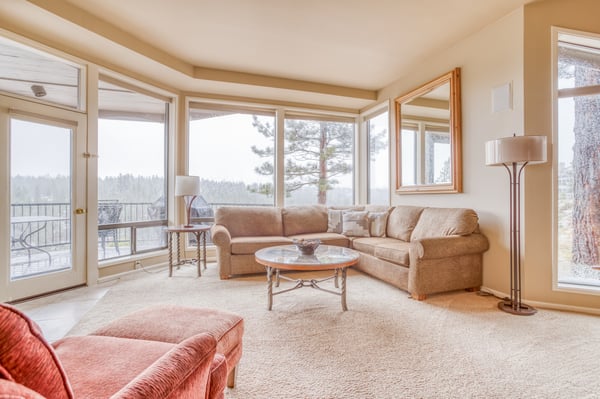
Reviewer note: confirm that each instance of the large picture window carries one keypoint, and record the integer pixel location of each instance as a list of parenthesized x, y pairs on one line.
[(577, 205), (243, 159), (232, 150), (132, 206), (318, 160)]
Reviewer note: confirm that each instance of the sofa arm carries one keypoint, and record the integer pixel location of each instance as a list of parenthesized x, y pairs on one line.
[(182, 372), (220, 235), (448, 246)]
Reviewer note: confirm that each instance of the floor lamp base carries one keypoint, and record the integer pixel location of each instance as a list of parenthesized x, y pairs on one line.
[(519, 309)]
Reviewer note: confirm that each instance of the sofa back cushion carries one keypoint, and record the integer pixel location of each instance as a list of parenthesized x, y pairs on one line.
[(304, 219), (402, 221), (439, 222), (27, 359), (242, 221)]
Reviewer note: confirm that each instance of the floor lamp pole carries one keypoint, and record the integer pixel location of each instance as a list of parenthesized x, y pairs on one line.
[(514, 304)]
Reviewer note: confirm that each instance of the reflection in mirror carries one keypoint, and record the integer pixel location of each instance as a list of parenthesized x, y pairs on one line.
[(428, 137)]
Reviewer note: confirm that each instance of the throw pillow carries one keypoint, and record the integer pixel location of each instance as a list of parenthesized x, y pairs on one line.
[(377, 223), (334, 221), (356, 224)]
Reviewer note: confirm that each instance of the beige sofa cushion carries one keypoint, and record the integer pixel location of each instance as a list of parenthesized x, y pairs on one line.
[(394, 252), (249, 245), (402, 221), (304, 219), (244, 221), (440, 222)]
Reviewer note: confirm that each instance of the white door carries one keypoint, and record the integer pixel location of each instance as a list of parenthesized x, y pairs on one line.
[(43, 196)]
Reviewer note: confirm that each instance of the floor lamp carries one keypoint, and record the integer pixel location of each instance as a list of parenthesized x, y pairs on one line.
[(514, 153), (189, 188)]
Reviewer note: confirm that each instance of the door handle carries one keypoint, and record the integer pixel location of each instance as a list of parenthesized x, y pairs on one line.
[(80, 211)]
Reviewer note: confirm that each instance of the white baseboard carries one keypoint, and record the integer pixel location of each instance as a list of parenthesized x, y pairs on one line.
[(119, 275), (548, 305)]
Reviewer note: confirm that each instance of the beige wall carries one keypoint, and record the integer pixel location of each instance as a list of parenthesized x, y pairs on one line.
[(515, 49)]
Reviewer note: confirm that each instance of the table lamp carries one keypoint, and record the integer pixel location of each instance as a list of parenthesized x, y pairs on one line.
[(187, 187), (511, 152)]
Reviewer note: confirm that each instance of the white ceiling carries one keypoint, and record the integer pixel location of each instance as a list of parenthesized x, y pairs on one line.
[(217, 46)]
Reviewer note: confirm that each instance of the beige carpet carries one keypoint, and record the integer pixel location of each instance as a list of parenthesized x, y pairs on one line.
[(386, 345)]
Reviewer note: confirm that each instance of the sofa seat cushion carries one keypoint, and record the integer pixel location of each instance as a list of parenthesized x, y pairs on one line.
[(441, 222), (368, 244), (335, 239), (395, 252), (249, 245), (304, 219), (244, 221)]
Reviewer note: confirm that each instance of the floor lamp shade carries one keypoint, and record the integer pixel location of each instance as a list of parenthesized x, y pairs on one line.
[(189, 188), (517, 149), (514, 153)]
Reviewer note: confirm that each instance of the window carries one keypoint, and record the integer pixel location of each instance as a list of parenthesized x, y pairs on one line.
[(318, 160), (132, 137), (577, 222), (378, 142), (31, 73), (232, 150), (237, 150)]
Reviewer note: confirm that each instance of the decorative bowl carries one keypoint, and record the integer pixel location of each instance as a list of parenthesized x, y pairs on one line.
[(307, 247)]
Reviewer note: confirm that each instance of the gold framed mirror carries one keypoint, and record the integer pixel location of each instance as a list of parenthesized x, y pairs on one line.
[(428, 137)]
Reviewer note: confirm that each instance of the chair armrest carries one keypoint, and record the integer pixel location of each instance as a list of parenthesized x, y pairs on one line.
[(184, 370), (448, 246), (220, 235)]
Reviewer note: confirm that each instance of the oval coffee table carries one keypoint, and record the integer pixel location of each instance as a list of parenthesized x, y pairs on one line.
[(326, 257)]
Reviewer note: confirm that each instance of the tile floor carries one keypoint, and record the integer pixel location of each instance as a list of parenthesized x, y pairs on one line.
[(57, 314)]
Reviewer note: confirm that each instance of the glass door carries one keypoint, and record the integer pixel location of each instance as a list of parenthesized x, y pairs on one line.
[(45, 186)]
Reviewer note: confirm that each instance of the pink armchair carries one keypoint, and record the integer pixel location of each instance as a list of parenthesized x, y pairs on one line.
[(99, 366)]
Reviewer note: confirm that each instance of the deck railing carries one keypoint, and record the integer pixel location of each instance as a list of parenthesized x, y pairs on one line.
[(135, 232)]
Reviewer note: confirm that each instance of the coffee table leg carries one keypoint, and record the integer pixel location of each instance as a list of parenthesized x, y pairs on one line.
[(270, 287), (344, 307)]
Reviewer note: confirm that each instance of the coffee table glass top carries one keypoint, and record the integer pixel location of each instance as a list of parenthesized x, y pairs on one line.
[(324, 256)]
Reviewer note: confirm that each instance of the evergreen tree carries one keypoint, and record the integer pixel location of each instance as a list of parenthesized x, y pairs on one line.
[(316, 153)]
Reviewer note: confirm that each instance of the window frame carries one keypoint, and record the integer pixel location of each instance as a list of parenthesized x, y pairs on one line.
[(557, 94)]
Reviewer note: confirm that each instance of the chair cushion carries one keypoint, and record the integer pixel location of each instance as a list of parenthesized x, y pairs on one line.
[(27, 357), (12, 390), (103, 366)]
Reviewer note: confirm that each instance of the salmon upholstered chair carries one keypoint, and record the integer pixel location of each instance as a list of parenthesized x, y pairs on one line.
[(173, 324), (99, 366)]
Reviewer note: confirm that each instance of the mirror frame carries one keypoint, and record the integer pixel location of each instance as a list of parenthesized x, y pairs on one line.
[(455, 185)]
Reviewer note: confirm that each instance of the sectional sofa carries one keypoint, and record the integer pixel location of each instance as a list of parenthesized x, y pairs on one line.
[(422, 250)]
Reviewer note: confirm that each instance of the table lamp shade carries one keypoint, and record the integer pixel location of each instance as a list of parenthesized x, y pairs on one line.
[(516, 149), (187, 185)]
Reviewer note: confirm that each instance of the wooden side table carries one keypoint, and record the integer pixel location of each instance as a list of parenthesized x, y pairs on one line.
[(199, 231)]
